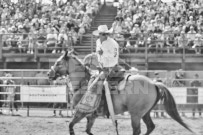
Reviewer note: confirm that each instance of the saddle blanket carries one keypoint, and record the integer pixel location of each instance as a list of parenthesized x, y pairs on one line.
[(89, 102)]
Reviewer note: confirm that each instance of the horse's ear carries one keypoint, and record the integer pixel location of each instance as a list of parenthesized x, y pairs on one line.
[(71, 52)]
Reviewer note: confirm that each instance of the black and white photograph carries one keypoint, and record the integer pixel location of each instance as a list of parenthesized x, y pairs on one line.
[(101, 67)]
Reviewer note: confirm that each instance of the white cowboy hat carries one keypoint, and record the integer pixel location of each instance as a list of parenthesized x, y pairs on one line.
[(101, 29)]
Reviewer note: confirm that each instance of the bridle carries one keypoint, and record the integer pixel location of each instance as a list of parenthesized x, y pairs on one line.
[(86, 70)]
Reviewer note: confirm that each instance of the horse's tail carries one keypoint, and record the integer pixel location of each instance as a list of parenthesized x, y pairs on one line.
[(170, 105)]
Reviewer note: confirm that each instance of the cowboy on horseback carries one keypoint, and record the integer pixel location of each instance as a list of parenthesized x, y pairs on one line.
[(107, 51), (107, 48)]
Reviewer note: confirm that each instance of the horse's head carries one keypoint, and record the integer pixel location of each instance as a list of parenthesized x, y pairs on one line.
[(68, 64), (60, 67)]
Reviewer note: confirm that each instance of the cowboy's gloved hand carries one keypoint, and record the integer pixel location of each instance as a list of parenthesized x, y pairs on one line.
[(100, 52)]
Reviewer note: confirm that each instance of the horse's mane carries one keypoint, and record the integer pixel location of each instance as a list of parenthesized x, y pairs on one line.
[(81, 63), (87, 57)]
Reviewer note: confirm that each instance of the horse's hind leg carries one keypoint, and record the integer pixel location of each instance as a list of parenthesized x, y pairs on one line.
[(77, 117), (149, 123), (135, 121), (90, 121)]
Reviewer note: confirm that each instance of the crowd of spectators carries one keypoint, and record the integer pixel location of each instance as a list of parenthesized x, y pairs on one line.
[(167, 26), (60, 24)]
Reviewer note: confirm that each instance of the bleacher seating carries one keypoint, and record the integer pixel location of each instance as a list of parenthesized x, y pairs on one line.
[(147, 37)]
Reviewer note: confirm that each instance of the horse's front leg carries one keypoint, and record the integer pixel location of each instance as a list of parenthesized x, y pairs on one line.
[(90, 121), (77, 117)]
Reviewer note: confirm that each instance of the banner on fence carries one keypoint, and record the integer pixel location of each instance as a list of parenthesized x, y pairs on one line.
[(43, 93), (185, 95)]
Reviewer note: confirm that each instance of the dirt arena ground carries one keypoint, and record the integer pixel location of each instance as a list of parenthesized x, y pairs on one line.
[(46, 125)]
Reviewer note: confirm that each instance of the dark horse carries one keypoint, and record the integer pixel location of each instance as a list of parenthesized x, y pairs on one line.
[(138, 98)]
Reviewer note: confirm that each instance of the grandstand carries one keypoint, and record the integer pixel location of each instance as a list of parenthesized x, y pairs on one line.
[(149, 37)]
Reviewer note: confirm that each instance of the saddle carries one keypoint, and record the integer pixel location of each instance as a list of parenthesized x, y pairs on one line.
[(93, 98), (117, 78)]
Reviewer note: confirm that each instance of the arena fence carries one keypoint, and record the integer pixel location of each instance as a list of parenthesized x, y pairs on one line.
[(32, 97)]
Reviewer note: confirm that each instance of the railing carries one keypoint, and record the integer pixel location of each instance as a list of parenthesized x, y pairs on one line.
[(168, 77), (144, 44), (186, 97)]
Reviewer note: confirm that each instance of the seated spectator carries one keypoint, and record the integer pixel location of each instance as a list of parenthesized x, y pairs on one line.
[(117, 26), (181, 41), (135, 35), (152, 43), (23, 42), (6, 46), (62, 42), (70, 23), (86, 21), (198, 43), (170, 42), (191, 36), (41, 40), (31, 38), (12, 42), (51, 40)]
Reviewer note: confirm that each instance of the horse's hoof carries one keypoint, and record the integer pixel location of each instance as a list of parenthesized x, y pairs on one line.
[(72, 133), (89, 133)]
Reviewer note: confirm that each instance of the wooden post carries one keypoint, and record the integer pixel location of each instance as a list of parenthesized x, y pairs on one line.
[(28, 110)]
